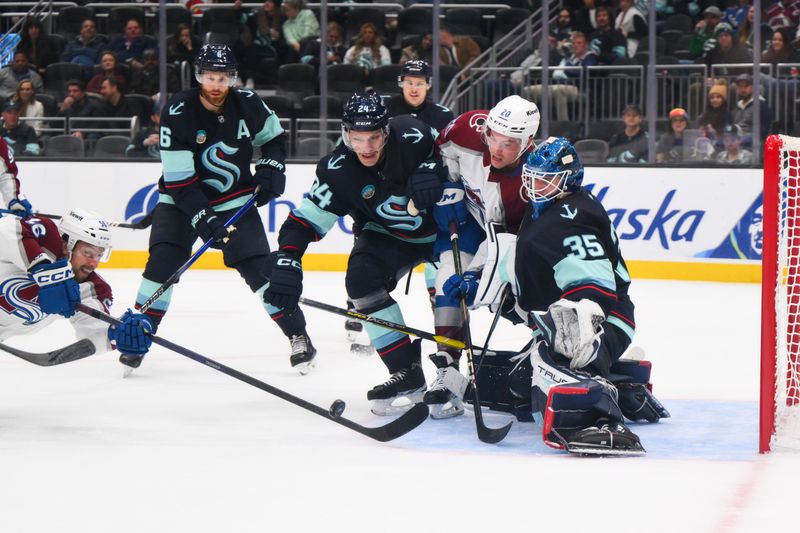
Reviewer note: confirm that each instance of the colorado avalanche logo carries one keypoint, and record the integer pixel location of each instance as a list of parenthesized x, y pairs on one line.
[(18, 297), (394, 210), (213, 160), (478, 121)]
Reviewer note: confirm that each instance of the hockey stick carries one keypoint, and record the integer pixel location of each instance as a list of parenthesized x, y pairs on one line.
[(67, 354), (447, 341), (396, 428), (485, 433), (200, 251), (142, 224)]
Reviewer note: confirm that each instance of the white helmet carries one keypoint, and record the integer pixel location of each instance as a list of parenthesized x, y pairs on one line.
[(83, 225), (515, 117)]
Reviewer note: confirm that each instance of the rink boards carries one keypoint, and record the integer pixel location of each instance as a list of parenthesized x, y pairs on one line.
[(673, 223)]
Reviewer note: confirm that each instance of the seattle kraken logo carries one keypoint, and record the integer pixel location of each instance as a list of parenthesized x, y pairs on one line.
[(394, 211), (214, 163), (18, 297)]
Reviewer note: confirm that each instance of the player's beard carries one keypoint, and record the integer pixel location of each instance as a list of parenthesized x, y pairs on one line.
[(216, 97)]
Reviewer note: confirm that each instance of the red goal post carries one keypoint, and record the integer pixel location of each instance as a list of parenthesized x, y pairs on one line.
[(779, 424)]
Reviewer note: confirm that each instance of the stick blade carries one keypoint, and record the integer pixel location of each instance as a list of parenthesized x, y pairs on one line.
[(77, 350), (400, 426)]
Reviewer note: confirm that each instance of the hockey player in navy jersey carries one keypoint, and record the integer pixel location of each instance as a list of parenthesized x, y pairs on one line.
[(573, 287), (207, 139), (415, 82), (47, 270), (371, 176)]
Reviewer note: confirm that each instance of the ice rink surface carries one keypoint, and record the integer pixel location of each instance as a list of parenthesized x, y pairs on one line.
[(179, 447)]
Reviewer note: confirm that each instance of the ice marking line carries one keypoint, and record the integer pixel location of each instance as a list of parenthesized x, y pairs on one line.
[(742, 497)]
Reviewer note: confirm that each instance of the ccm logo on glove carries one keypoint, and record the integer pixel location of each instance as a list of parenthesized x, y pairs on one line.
[(289, 262)]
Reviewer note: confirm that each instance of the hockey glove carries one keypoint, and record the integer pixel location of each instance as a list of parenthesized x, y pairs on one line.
[(457, 287), (58, 291), (424, 188), (285, 281), (450, 207), (577, 330), (132, 335), (210, 227), (270, 174), (22, 206)]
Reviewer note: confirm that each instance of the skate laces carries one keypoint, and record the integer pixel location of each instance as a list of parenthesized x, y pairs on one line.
[(299, 344), (438, 381)]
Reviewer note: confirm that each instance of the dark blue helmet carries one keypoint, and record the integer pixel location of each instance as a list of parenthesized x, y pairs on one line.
[(216, 58), (364, 112), (416, 67), (552, 169)]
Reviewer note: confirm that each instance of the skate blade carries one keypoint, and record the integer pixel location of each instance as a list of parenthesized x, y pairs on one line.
[(352, 335), (440, 411), (305, 368), (127, 371), (388, 407), (591, 451)]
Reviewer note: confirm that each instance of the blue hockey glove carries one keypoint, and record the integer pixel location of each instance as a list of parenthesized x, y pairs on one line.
[(424, 188), (132, 335), (466, 286), (451, 207), (23, 206), (285, 281), (271, 175), (209, 226), (58, 291)]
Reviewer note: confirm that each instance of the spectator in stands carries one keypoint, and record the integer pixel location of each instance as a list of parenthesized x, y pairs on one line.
[(606, 42), (744, 33), (631, 24), (130, 46), (300, 23), (563, 30), (29, 106), (703, 36), (584, 19), (736, 13), (334, 47), (743, 112), (368, 50), (726, 50), (183, 46), (146, 79), (734, 154), (19, 70), (423, 49), (671, 147), (146, 142), (460, 50), (85, 48), (116, 107), (564, 85), (630, 144), (780, 50), (265, 25), (109, 67), (716, 115), (41, 50), (20, 137), (78, 105)]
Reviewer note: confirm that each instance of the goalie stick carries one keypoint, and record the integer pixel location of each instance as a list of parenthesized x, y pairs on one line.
[(142, 224), (73, 352), (396, 428), (485, 433)]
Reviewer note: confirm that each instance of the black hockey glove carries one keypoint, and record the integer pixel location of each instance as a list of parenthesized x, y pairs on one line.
[(270, 174), (209, 226), (425, 188), (285, 281)]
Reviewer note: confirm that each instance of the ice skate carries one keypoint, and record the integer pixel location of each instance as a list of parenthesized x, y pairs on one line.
[(303, 353), (130, 363), (442, 401), (408, 383), (353, 327), (607, 439)]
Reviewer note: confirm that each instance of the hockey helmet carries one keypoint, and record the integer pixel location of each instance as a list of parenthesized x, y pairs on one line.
[(515, 117), (82, 225), (216, 58), (364, 112), (415, 67), (551, 170)]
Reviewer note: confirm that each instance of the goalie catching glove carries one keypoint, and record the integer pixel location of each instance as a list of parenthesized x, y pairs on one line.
[(573, 330)]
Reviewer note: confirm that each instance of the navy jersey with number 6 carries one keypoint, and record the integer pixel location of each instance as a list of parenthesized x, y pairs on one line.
[(210, 153), (374, 196), (572, 251)]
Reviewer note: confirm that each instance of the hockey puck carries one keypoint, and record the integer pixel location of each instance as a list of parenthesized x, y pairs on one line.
[(337, 408)]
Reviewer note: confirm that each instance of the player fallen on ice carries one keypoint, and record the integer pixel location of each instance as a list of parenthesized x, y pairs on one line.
[(47, 270), (371, 176), (208, 135), (484, 151)]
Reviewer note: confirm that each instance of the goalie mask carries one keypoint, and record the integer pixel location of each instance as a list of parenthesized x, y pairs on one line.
[(88, 227), (551, 170), (216, 58)]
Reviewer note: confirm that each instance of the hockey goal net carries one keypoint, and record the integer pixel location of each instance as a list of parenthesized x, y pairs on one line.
[(780, 297)]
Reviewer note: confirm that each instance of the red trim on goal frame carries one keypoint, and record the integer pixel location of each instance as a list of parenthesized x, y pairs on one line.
[(769, 276)]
